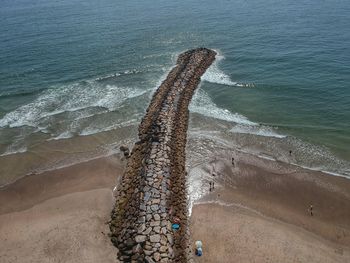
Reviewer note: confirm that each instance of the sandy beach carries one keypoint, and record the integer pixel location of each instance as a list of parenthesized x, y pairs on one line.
[(258, 212), (236, 234), (60, 215)]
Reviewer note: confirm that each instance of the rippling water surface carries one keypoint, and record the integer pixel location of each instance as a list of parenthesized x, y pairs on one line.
[(73, 69)]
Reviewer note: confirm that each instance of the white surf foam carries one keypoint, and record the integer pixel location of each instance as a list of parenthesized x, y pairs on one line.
[(14, 149), (63, 135), (323, 170), (93, 130), (260, 130), (117, 74), (215, 75), (202, 104), (69, 98)]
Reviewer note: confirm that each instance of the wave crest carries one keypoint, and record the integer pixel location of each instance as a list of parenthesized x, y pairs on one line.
[(215, 75), (203, 104), (71, 98)]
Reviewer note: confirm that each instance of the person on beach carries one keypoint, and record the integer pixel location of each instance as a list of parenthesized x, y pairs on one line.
[(213, 172), (209, 186), (290, 152), (198, 250), (311, 210)]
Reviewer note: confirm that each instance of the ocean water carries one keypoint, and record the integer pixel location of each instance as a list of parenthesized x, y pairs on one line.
[(73, 70)]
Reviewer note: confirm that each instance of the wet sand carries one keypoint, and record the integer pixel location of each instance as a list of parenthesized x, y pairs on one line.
[(260, 213)]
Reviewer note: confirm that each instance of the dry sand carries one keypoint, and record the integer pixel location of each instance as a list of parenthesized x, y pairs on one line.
[(69, 228), (61, 215), (232, 234)]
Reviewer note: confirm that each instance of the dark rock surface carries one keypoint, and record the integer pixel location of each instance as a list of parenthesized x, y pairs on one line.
[(152, 193)]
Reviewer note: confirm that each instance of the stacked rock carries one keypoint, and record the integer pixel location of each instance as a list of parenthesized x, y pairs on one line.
[(152, 193)]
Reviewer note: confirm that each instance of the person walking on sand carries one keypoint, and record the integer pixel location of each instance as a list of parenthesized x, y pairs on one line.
[(311, 210), (290, 152), (213, 172), (233, 162)]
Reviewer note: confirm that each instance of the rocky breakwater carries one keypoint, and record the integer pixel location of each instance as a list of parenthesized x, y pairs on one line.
[(151, 199)]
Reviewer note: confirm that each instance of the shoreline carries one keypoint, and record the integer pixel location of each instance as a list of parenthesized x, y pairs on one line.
[(100, 180), (131, 142)]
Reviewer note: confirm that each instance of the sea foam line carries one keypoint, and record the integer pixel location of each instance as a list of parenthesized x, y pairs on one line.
[(68, 99), (90, 130), (215, 75), (10, 150), (260, 130), (203, 104)]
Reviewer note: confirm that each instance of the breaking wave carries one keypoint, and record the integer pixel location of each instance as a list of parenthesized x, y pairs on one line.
[(203, 104), (215, 75), (71, 98)]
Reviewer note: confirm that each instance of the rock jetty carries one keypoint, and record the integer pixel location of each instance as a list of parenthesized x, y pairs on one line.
[(152, 194)]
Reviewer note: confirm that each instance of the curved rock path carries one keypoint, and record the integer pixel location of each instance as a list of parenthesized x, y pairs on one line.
[(152, 193)]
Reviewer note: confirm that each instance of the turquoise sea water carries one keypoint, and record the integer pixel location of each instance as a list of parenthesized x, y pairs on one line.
[(76, 68)]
